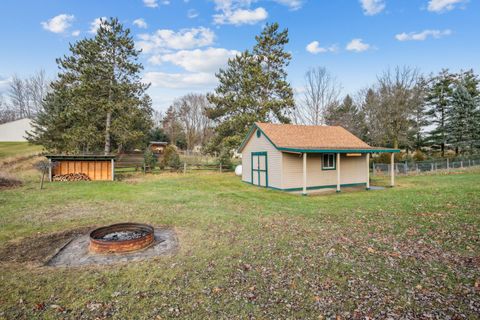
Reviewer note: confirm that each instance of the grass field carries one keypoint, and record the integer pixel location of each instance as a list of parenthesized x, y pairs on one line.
[(18, 149), (410, 251)]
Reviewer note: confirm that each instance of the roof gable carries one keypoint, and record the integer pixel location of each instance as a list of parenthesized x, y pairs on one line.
[(311, 137), (303, 138)]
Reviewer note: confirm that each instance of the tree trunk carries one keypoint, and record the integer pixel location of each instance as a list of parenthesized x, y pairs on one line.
[(107, 132), (43, 178), (395, 143)]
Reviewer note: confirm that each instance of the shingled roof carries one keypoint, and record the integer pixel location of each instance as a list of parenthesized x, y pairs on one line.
[(302, 138)]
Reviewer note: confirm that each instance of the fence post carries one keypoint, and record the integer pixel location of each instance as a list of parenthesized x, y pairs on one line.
[(220, 167), (461, 164), (373, 168), (416, 169), (432, 165), (184, 168), (448, 164), (469, 162)]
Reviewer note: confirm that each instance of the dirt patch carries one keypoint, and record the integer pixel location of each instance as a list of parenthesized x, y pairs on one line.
[(7, 182), (38, 249), (76, 252)]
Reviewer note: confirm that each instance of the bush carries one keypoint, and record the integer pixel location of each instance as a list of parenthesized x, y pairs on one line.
[(419, 156), (149, 159), (385, 157), (171, 158), (225, 159)]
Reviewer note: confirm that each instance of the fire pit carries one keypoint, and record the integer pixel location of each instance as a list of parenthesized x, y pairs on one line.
[(121, 237)]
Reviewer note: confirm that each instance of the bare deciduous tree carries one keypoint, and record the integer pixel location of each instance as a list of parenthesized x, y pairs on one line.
[(321, 90), (37, 89), (6, 113), (191, 110), (390, 105), (26, 95)]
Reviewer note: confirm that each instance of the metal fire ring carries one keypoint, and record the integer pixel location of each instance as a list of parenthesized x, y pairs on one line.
[(100, 245)]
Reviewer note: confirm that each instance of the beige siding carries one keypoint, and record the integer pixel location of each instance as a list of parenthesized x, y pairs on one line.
[(352, 170), (274, 157)]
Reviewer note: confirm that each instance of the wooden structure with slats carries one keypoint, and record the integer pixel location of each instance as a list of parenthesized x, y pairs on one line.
[(96, 167)]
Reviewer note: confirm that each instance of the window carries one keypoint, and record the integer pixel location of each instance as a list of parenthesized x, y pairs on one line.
[(258, 133), (328, 161)]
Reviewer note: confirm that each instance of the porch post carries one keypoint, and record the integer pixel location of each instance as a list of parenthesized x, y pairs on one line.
[(304, 174), (338, 172), (392, 170), (368, 171), (50, 170)]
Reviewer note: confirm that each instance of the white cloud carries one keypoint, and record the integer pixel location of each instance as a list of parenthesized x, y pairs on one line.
[(372, 7), (238, 12), (241, 16), (180, 80), (76, 33), (150, 3), (58, 24), (164, 39), (140, 23), (292, 4), (192, 13), (420, 36), (154, 3), (357, 45), (208, 60), (314, 48), (443, 5), (95, 24)]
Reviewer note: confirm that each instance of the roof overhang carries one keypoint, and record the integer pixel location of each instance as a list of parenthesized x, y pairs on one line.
[(91, 157), (307, 150), (373, 150)]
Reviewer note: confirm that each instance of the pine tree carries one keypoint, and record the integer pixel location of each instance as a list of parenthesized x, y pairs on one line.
[(419, 122), (252, 88), (347, 115), (98, 101), (463, 116), (438, 101), (276, 95)]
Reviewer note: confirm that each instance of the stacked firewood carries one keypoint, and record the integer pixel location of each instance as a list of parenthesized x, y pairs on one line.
[(72, 177)]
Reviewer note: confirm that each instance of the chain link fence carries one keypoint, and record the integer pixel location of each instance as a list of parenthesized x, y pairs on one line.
[(424, 166)]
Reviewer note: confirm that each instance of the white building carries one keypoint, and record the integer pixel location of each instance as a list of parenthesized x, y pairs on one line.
[(15, 131)]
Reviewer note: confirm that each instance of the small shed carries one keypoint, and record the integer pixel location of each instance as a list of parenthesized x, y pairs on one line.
[(96, 167), (158, 147), (302, 158)]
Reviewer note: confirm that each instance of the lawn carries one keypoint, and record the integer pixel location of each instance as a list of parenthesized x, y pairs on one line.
[(412, 251), (18, 149)]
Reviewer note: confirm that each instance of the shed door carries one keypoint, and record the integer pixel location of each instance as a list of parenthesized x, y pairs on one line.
[(259, 169)]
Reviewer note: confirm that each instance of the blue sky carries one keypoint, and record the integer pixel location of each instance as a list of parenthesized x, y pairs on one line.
[(186, 41)]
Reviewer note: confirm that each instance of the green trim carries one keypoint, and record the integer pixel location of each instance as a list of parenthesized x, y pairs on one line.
[(258, 154), (334, 162), (332, 186), (326, 187), (340, 150)]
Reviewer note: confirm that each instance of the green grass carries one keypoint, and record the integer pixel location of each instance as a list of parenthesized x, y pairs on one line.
[(412, 250), (17, 149)]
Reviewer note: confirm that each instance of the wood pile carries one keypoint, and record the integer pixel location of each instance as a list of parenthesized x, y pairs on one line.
[(72, 177)]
